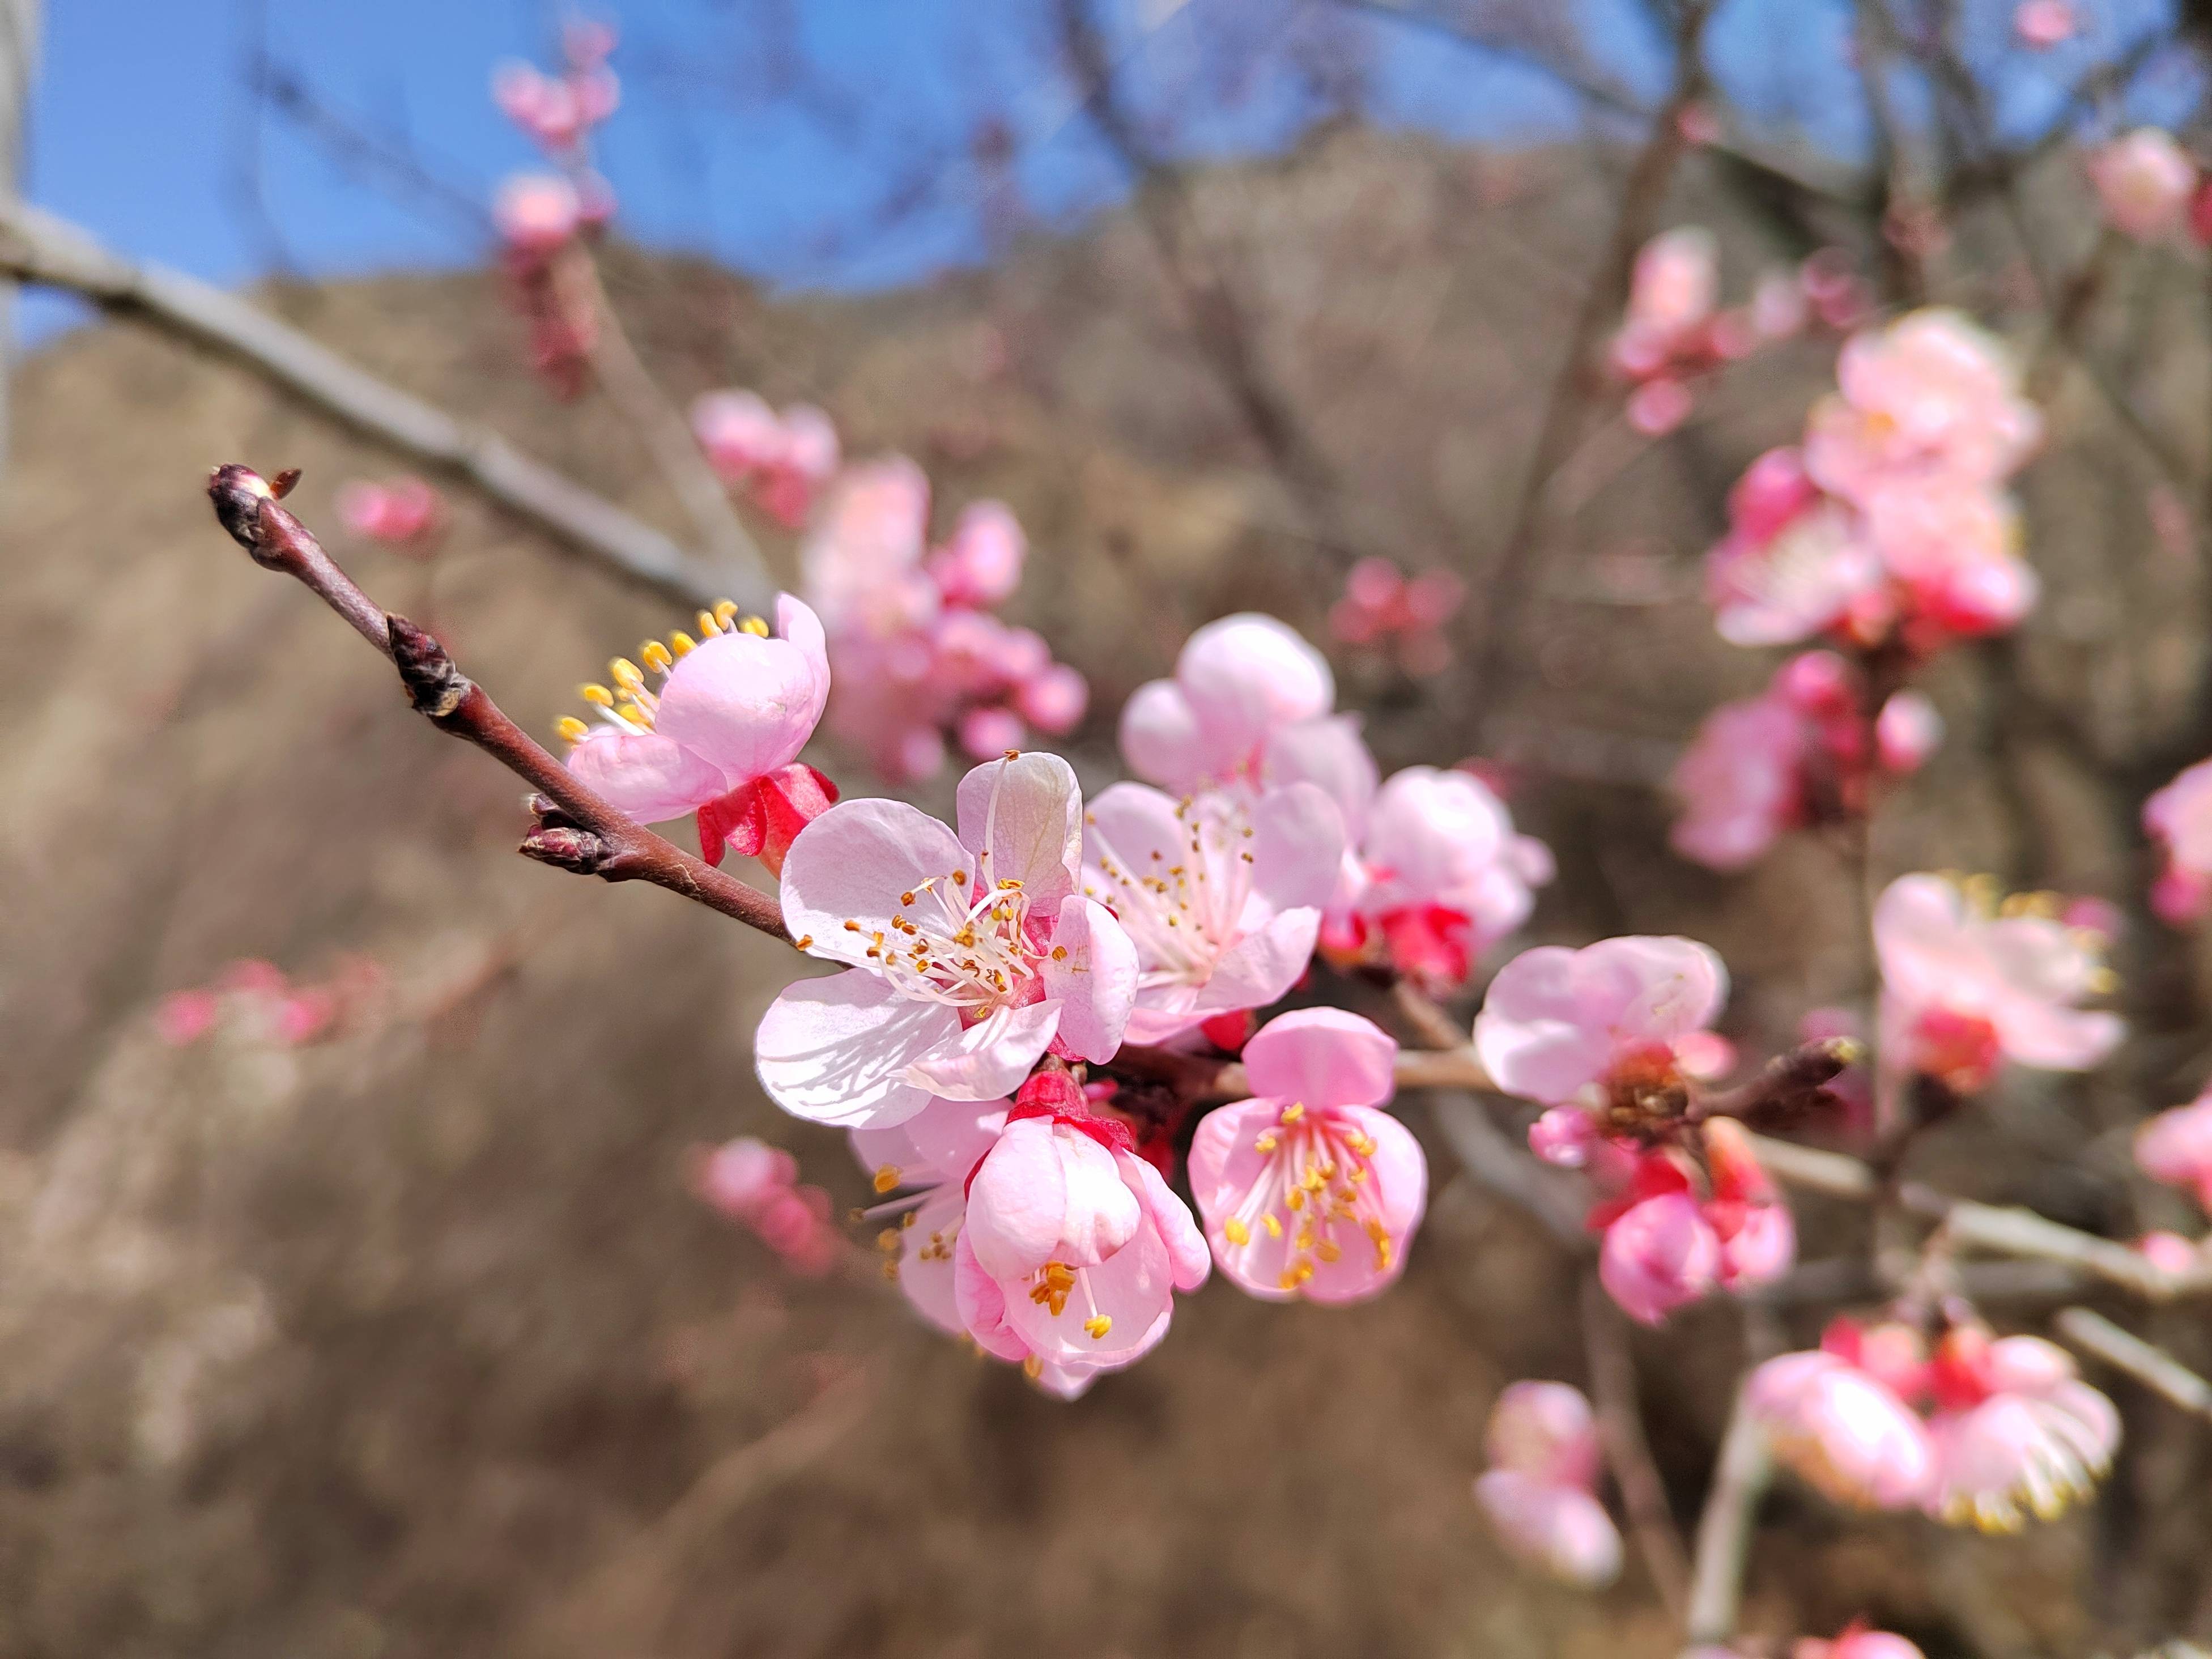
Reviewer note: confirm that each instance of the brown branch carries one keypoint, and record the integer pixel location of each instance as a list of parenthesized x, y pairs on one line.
[(1557, 435), (38, 249), (578, 830), (1620, 1430), (1724, 1527), (2149, 1364)]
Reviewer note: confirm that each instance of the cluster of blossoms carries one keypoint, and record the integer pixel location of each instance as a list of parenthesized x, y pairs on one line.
[(1432, 872), (2149, 190), (258, 999), (1986, 1432), (918, 653), (782, 461), (404, 514), (753, 1182), (1384, 610), (1540, 1490), (1675, 330)]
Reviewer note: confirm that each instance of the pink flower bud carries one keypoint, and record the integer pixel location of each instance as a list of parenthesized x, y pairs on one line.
[(741, 1176), (183, 1017), (1659, 406), (1053, 701), (1817, 683), (1659, 1255), (2143, 182), (1561, 1531), (982, 565), (2170, 1253), (1907, 732), (2039, 24), (2175, 1148), (985, 733), (535, 213), (1546, 1431), (1564, 1136)]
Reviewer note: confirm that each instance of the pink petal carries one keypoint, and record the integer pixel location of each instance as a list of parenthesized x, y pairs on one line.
[(927, 1279), (1249, 675), (1261, 968), (839, 1051), (1160, 737), (1188, 1255), (982, 1305), (941, 1143), (1323, 1056), (989, 1058), (1027, 814), (1132, 1288), (854, 864), (1297, 846), (745, 703), (1555, 1020), (1095, 983), (1330, 754), (1559, 1530), (1048, 1192), (648, 775)]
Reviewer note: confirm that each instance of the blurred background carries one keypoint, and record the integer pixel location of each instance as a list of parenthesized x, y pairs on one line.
[(365, 1309)]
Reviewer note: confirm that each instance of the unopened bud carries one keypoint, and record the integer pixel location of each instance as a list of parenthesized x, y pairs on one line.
[(238, 493), (434, 685), (567, 847)]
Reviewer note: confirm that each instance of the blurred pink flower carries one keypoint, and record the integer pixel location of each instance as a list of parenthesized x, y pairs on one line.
[(2175, 1148), (1742, 782), (1673, 292), (721, 736), (1308, 1190), (1845, 1430), (1539, 1492), (1238, 682), (783, 461), (2016, 1432), (183, 1017), (1757, 1235), (2179, 818), (1794, 565), (1659, 406), (1221, 894), (932, 1153), (2041, 24), (1660, 1253), (404, 513), (982, 565), (1907, 732), (1382, 607), (2143, 182), (1964, 991), (536, 214), (1929, 397), (1592, 1025), (2170, 1253), (967, 956), (1857, 1641), (1072, 1245), (754, 1184)]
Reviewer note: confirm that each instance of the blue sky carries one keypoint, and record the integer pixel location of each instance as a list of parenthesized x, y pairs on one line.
[(808, 142)]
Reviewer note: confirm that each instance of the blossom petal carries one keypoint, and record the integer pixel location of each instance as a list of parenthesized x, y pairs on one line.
[(649, 776), (1160, 736), (1095, 983), (1027, 815), (1132, 1289), (1186, 1246), (1048, 1192), (1330, 753), (1297, 846), (925, 1274), (854, 864), (1323, 1057), (982, 1305), (837, 1050), (989, 1058), (745, 703), (1261, 968), (941, 1143)]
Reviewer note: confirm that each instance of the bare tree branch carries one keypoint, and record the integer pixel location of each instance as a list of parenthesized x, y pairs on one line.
[(1724, 1528), (38, 248), (2149, 1364), (18, 54), (1620, 1430)]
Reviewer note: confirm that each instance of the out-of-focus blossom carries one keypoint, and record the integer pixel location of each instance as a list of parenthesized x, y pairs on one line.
[(2175, 1148), (1238, 682), (1072, 1246), (1966, 988), (183, 1017), (931, 1154), (2143, 182), (967, 956), (2170, 1253), (1660, 1253), (1539, 1492), (757, 1184), (1383, 608), (1847, 1430), (782, 461), (1795, 564), (1906, 732), (1596, 1027), (1222, 896), (404, 513), (536, 214), (1758, 1237), (1308, 1190), (721, 735), (2039, 25), (559, 110), (1673, 293), (1856, 1642), (1929, 397), (1659, 406), (1442, 874), (2016, 1431), (2179, 818), (913, 656), (259, 1000)]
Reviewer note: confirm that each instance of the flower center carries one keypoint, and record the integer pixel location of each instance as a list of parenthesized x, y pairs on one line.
[(1055, 1283), (1316, 1187), (629, 705), (1182, 915)]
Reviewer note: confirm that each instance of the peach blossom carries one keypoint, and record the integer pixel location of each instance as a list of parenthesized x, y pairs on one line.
[(2016, 1432), (2179, 818), (2143, 182), (2175, 1148)]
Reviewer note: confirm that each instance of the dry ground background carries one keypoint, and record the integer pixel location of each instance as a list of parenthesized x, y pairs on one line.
[(412, 1344)]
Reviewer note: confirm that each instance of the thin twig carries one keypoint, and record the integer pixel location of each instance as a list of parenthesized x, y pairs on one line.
[(1724, 1528), (1620, 1430), (1490, 1158), (2149, 1364), (37, 248), (577, 830)]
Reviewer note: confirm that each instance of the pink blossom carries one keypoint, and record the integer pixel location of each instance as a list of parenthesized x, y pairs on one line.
[(1221, 895), (721, 736), (183, 1017), (1741, 782), (1842, 1430), (1072, 1245), (2175, 1148), (1053, 699), (1659, 1254), (404, 513), (982, 565), (1757, 1235), (1793, 564), (1540, 1490), (1907, 732), (1308, 1190), (932, 1154), (967, 956), (756, 1183), (1583, 1026), (2179, 818), (536, 214), (1443, 875), (1953, 552), (2144, 183), (2170, 1253), (1382, 607), (2041, 24), (1238, 683), (783, 460), (1659, 406), (1672, 294), (2016, 1432), (1857, 1642), (1964, 990)]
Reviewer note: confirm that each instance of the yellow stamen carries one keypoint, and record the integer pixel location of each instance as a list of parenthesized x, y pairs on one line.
[(708, 625), (1294, 1111), (626, 674), (1274, 1227), (1235, 1231), (887, 1177), (681, 644), (657, 656), (573, 729), (754, 626), (725, 612), (596, 694), (1097, 1326)]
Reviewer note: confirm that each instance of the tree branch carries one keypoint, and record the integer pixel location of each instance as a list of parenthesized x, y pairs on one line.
[(577, 830), (2149, 1364), (1620, 1430), (37, 248), (1724, 1527)]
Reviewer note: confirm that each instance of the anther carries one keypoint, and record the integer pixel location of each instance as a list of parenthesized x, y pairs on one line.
[(1097, 1326), (596, 694), (754, 626), (708, 625), (626, 674), (1235, 1231), (681, 644), (657, 657), (887, 1177), (725, 612), (572, 728)]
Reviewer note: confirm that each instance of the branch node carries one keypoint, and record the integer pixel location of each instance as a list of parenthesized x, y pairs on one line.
[(567, 847), (434, 685)]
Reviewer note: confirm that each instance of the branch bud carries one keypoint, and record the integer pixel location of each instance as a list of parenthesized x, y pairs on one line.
[(435, 686), (566, 847), (238, 493)]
